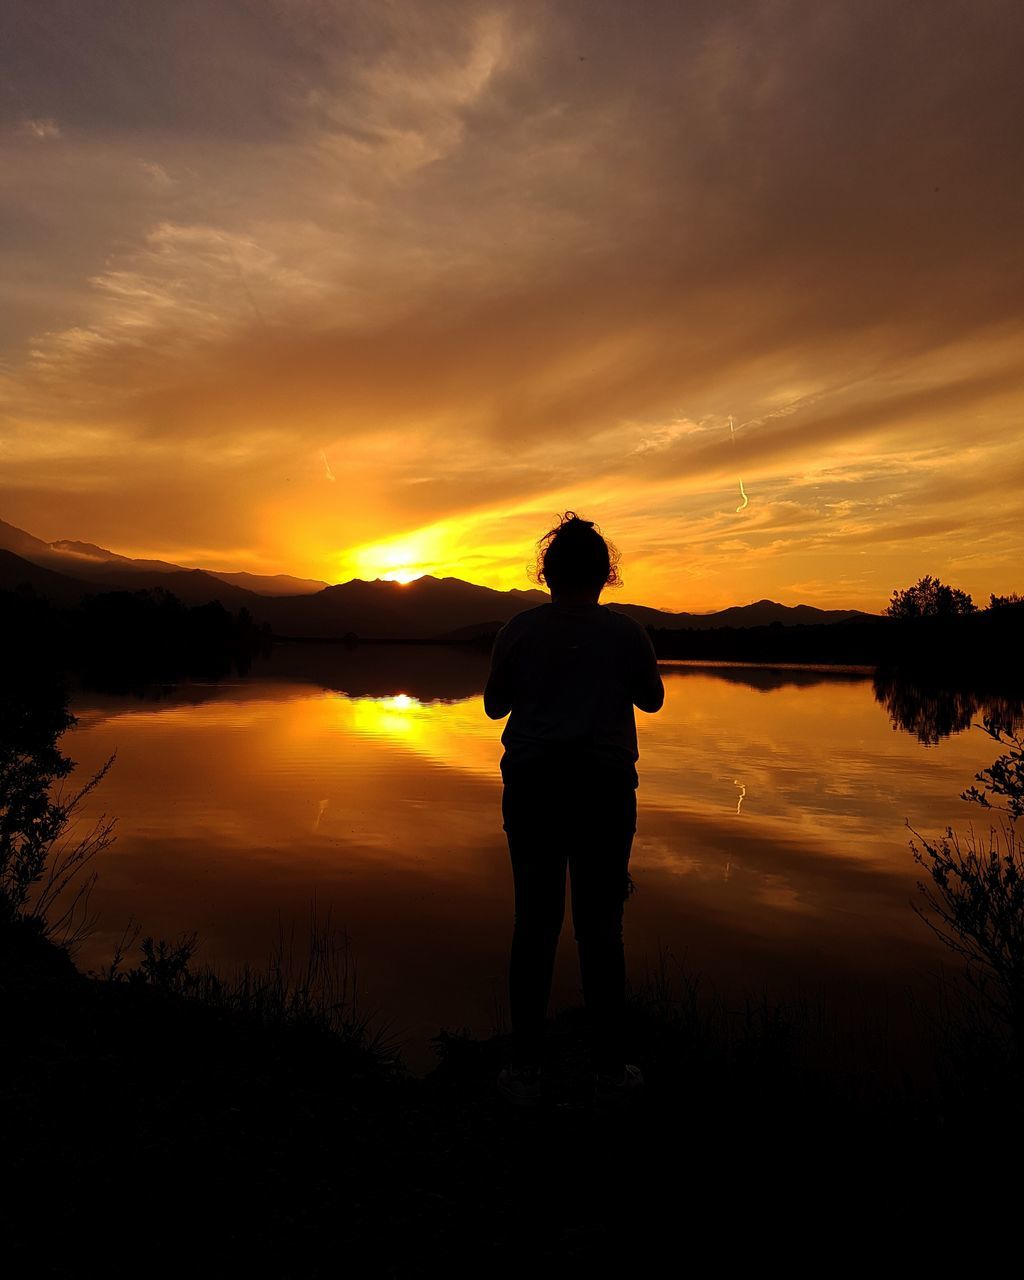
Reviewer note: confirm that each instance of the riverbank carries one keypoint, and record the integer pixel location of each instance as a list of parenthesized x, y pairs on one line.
[(146, 1122)]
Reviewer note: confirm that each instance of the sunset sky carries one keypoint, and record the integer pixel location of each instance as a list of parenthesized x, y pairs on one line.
[(348, 289)]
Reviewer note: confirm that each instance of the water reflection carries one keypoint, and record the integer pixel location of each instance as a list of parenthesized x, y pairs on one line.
[(765, 679), (932, 711), (425, 673), (391, 685), (771, 843)]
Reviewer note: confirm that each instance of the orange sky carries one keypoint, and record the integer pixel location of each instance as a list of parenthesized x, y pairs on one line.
[(343, 289)]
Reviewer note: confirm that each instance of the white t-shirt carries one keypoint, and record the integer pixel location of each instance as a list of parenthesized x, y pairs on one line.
[(568, 677)]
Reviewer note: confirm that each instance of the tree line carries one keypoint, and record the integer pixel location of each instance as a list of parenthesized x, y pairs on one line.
[(932, 598), (119, 640)]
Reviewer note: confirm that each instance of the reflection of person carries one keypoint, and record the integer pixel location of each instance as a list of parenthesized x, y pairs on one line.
[(568, 675)]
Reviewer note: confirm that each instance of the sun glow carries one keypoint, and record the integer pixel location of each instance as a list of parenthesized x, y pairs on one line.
[(455, 735), (466, 547), (403, 560), (403, 575)]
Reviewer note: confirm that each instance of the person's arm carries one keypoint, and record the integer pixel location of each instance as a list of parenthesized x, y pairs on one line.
[(499, 688), (648, 690)]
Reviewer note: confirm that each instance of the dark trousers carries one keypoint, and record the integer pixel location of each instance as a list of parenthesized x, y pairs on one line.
[(586, 823)]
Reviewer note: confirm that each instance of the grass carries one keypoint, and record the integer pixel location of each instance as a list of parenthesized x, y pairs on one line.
[(258, 1123), (307, 986)]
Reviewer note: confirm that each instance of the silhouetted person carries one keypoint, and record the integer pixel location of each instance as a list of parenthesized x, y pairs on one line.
[(568, 675)]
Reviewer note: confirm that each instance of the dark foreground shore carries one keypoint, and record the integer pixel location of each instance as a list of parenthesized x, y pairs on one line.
[(144, 1126)]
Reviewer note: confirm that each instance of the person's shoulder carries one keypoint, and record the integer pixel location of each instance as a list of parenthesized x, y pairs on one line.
[(623, 622), (528, 619)]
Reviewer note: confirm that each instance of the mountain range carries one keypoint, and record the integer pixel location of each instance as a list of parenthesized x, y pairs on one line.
[(426, 608), (91, 563)]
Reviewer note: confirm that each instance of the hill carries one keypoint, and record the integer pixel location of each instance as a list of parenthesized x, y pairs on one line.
[(96, 564), (434, 608), (16, 571), (420, 610), (270, 584), (21, 543), (428, 608), (191, 586), (762, 613)]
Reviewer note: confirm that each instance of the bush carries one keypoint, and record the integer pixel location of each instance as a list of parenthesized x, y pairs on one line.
[(44, 866), (973, 899)]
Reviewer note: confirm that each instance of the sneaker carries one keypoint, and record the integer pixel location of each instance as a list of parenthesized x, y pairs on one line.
[(611, 1093), (520, 1086)]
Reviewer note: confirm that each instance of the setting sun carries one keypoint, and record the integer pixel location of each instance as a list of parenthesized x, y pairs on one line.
[(404, 575), (402, 560)]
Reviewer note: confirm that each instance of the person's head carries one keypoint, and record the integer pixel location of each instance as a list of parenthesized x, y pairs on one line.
[(574, 562)]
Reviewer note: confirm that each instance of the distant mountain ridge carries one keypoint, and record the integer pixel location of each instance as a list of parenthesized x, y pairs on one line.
[(424, 609), (98, 564), (16, 571)]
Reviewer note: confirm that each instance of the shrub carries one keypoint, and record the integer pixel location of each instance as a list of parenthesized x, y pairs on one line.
[(973, 899), (44, 863)]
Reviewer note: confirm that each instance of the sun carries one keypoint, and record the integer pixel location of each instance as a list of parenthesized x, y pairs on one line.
[(402, 560), (405, 574)]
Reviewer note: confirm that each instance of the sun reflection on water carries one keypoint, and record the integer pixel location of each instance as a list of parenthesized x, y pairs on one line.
[(453, 734), (398, 717)]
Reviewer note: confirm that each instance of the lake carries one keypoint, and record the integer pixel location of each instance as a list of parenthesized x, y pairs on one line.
[(771, 852)]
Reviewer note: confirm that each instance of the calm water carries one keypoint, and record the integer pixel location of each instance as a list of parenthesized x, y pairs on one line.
[(771, 848)]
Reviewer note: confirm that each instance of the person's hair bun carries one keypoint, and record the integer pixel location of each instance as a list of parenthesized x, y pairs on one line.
[(573, 556)]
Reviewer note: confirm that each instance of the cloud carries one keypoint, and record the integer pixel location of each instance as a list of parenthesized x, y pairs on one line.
[(499, 259), (41, 128), (157, 174)]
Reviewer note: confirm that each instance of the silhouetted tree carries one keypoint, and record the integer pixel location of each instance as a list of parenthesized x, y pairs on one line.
[(124, 639), (1014, 600), (930, 598)]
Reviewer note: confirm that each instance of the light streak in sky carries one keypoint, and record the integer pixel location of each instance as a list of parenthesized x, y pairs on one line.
[(783, 411), (327, 467), (743, 493)]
